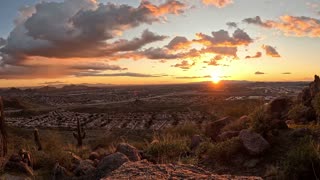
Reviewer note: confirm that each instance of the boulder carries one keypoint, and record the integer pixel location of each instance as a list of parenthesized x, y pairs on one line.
[(131, 152), (18, 167), (85, 167), (278, 124), (59, 172), (213, 129), (279, 107), (94, 155), (75, 159), (289, 122), (301, 132), (228, 135), (15, 158), (196, 140), (252, 163), (253, 142), (110, 163), (237, 125), (244, 118), (20, 163)]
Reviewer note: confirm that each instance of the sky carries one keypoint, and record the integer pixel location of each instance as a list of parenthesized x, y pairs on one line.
[(51, 42)]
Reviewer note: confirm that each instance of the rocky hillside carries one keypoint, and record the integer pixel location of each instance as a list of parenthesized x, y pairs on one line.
[(145, 170)]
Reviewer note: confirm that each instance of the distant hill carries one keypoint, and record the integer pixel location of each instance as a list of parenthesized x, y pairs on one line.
[(18, 103)]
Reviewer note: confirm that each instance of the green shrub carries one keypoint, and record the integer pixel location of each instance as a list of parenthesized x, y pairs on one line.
[(221, 152), (260, 121), (303, 161), (168, 148), (298, 111)]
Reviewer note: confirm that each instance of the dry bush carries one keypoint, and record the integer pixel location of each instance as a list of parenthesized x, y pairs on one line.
[(53, 151), (260, 121), (236, 125), (236, 108), (167, 148), (298, 112), (221, 152), (303, 161), (186, 130)]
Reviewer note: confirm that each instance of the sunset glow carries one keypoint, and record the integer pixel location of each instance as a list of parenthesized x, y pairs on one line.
[(95, 41), (215, 77)]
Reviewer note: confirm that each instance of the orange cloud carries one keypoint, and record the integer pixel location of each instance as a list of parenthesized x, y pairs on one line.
[(179, 43), (257, 55), (290, 25), (217, 3), (170, 7), (271, 51), (222, 38)]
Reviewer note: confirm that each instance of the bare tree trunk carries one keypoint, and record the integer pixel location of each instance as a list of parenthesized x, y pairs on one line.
[(3, 131)]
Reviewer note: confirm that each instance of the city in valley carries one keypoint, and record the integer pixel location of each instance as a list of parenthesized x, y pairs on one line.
[(134, 107)]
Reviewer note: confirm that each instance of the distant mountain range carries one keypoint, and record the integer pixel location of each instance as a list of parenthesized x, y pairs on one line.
[(84, 86)]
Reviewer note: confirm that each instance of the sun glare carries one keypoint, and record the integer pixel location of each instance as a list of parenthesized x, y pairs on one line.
[(215, 78)]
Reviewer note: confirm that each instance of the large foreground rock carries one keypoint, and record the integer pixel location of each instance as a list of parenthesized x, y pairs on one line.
[(228, 135), (254, 143), (213, 129), (110, 163), (142, 170), (85, 167), (131, 152), (278, 108), (59, 172), (19, 164)]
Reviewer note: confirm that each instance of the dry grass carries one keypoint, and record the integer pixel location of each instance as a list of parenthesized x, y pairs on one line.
[(221, 152), (236, 125), (168, 148)]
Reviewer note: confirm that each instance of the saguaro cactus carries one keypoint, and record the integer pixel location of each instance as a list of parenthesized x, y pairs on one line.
[(37, 139), (4, 135), (80, 134)]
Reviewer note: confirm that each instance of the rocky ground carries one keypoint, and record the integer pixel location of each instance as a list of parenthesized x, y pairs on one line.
[(146, 170)]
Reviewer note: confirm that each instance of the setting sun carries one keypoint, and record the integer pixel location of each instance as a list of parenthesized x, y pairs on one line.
[(215, 78)]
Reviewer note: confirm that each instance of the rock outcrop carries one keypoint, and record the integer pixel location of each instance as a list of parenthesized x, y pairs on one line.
[(228, 135), (279, 107), (110, 163), (213, 129), (131, 152), (146, 170), (254, 143), (59, 172), (306, 96), (20, 163), (85, 167)]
